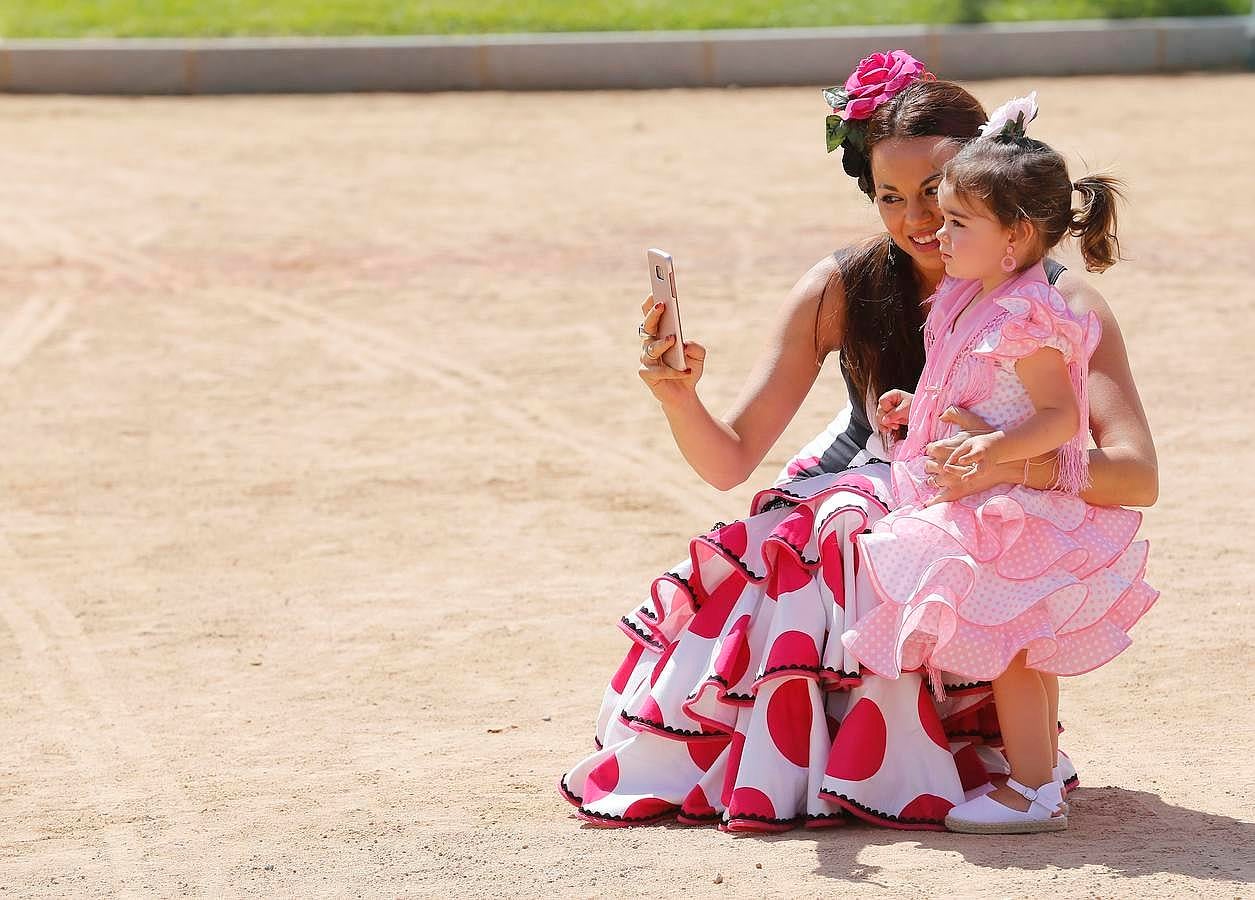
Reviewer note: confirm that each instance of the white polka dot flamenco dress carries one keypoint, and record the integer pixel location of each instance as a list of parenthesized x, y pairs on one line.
[(737, 704), (966, 585)]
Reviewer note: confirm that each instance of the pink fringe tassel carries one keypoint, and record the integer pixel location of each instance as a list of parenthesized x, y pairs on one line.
[(1073, 465)]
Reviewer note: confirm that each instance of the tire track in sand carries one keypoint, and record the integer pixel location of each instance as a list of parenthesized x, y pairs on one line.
[(377, 351), (355, 340), (123, 776), (34, 322)]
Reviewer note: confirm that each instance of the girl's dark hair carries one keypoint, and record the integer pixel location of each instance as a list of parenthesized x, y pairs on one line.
[(1022, 179), (881, 347)]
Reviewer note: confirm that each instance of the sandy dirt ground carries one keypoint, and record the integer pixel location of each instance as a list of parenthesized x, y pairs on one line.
[(327, 474)]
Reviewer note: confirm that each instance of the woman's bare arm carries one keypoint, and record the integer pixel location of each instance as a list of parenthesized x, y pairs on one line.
[(1124, 469), (725, 451)]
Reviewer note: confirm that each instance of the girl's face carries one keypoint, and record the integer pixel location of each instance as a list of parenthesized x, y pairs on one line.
[(906, 173), (973, 242)]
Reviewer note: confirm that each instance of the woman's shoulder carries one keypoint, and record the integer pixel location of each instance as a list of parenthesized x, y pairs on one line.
[(823, 274), (819, 297), (1083, 298), (1081, 295)]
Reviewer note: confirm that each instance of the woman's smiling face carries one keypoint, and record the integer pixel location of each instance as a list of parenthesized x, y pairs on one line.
[(906, 173)]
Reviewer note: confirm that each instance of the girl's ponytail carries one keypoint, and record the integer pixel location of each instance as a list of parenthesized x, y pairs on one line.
[(1094, 223)]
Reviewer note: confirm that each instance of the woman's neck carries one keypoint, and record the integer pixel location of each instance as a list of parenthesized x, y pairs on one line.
[(928, 281)]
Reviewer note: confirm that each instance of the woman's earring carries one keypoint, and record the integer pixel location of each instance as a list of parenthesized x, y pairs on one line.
[(1008, 261)]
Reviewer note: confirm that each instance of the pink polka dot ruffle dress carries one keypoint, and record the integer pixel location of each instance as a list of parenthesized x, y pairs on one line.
[(966, 585)]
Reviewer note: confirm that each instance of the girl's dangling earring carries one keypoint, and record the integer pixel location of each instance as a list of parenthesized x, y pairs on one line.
[(1008, 261)]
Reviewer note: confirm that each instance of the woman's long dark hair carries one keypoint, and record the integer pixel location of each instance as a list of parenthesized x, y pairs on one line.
[(882, 347)]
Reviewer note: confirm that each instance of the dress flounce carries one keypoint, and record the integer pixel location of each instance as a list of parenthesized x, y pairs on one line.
[(967, 585), (738, 705)]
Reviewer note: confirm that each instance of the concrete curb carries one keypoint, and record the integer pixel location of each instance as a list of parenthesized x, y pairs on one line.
[(607, 60)]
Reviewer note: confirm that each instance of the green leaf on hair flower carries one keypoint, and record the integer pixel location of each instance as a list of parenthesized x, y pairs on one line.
[(857, 138), (836, 97), (1015, 127), (838, 131)]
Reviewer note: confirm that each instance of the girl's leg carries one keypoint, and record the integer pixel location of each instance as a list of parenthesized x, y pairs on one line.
[(1051, 683), (1023, 707)]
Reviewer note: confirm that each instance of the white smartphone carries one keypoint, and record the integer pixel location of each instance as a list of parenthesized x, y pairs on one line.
[(662, 286)]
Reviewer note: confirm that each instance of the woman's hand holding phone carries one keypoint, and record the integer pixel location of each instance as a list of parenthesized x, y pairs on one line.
[(667, 383)]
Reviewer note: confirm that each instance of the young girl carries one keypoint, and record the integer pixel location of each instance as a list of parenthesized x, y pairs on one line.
[(1010, 585)]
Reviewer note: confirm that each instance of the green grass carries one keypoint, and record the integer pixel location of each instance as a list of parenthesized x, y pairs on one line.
[(195, 18)]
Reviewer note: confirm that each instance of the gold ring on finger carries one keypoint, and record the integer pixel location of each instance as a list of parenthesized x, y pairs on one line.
[(640, 330)]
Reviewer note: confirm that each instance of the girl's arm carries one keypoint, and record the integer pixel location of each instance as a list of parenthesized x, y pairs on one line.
[(1123, 468), (725, 452), (1054, 422)]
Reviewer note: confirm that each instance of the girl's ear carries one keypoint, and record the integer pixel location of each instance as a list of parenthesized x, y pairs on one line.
[(1024, 233)]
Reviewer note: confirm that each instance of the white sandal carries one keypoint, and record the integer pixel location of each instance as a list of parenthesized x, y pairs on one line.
[(996, 764), (985, 815), (1065, 774)]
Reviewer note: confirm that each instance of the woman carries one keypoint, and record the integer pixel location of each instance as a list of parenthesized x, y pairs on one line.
[(737, 703)]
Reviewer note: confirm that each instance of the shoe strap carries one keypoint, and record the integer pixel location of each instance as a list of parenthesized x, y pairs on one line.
[(1028, 793), (1038, 795)]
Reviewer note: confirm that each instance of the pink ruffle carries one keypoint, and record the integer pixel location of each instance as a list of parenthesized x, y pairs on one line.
[(967, 585), (1040, 317)]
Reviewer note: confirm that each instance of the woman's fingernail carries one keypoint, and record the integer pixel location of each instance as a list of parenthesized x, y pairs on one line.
[(657, 306)]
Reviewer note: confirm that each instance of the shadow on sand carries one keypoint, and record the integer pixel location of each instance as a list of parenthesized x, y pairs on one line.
[(1128, 833)]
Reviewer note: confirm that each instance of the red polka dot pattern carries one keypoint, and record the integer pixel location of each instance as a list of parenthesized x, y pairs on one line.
[(696, 804), (734, 766), (795, 530), (648, 808), (859, 750), (832, 567), (602, 780), (927, 807), (624, 672), (789, 716), (704, 753), (710, 619), (787, 575), (734, 655), (793, 648), (859, 483), (734, 538), (972, 772), (886, 742), (650, 712), (661, 664), (929, 719), (748, 801)]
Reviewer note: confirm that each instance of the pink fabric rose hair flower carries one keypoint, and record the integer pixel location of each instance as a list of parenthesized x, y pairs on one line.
[(876, 80)]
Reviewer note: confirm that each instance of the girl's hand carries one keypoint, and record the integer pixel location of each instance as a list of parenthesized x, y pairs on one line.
[(667, 384), (975, 452), (894, 410), (949, 479)]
